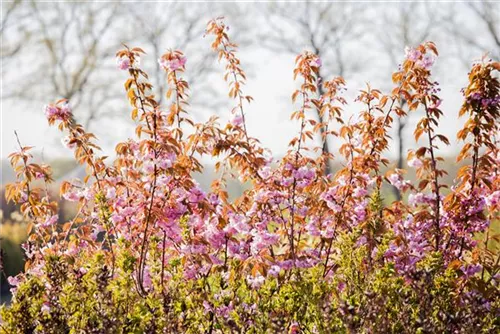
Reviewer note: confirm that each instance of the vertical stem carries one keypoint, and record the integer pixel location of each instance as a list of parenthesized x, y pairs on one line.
[(435, 179)]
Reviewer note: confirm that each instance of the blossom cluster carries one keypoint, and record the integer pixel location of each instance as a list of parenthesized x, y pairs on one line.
[(148, 224), (58, 113)]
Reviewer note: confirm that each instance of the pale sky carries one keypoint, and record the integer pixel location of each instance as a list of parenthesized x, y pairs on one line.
[(271, 85)]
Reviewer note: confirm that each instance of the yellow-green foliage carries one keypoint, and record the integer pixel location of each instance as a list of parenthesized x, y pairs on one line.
[(356, 299)]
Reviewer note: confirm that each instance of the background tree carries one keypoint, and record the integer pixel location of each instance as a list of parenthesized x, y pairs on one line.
[(329, 30), (163, 26), (9, 23), (406, 24), (67, 50), (483, 16), (66, 56)]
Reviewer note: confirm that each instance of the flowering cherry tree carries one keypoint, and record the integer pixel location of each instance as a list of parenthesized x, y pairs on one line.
[(298, 251)]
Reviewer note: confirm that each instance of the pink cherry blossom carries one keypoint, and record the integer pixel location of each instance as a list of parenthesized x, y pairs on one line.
[(24, 197), (52, 220), (50, 111), (427, 61), (53, 112), (265, 172), (14, 280), (111, 193), (196, 195), (294, 328), (274, 270), (360, 192), (72, 196), (415, 163), (394, 178), (236, 120), (173, 64), (316, 62), (65, 110), (117, 218), (255, 282), (493, 200), (123, 63), (397, 181), (412, 54), (45, 307), (287, 181)]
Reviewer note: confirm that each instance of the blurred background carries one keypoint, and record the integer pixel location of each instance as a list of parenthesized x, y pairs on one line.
[(65, 49)]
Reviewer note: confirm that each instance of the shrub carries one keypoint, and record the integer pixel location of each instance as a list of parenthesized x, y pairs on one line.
[(12, 235), (299, 251)]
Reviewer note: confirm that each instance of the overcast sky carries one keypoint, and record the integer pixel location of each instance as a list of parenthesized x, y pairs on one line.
[(270, 83)]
